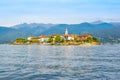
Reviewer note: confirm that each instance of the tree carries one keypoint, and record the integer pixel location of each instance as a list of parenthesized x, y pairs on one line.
[(21, 40), (76, 39), (95, 40), (35, 41), (50, 39), (89, 40), (62, 40), (58, 39)]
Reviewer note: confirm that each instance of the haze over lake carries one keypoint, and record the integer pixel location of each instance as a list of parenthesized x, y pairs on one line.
[(38, 62)]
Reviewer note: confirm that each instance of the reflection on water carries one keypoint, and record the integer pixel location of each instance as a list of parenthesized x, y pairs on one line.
[(38, 62)]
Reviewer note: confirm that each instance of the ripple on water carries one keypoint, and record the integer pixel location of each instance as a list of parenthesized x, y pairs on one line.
[(35, 62)]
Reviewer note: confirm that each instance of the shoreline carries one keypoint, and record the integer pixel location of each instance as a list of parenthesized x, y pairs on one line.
[(86, 44)]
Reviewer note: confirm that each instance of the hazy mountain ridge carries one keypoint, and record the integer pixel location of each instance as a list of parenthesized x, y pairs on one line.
[(78, 28), (117, 24), (10, 34), (33, 28), (104, 31)]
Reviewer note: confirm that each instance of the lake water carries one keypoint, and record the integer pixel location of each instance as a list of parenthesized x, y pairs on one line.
[(38, 62)]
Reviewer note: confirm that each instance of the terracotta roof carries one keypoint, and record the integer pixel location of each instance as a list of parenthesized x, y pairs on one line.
[(72, 35), (32, 36), (44, 36)]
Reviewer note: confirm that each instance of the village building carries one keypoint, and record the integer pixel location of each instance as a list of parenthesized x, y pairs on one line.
[(84, 36), (66, 37), (43, 38), (32, 37), (69, 37)]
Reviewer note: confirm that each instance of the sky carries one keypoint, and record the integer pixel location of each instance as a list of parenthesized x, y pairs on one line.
[(14, 12)]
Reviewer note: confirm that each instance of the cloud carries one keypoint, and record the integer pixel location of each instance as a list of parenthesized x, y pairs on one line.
[(34, 9)]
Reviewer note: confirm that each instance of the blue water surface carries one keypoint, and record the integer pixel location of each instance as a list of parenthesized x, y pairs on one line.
[(39, 62)]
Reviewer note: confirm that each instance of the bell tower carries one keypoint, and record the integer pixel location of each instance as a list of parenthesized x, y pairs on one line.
[(66, 34), (66, 31)]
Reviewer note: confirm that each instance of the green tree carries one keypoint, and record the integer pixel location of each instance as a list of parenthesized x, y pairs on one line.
[(62, 40), (35, 41), (95, 40), (58, 39), (21, 40), (50, 39), (76, 39), (89, 40)]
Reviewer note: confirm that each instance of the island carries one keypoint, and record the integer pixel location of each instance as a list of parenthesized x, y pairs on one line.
[(59, 39)]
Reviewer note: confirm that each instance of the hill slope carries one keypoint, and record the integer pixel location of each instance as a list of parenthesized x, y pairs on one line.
[(33, 28), (9, 34), (104, 31)]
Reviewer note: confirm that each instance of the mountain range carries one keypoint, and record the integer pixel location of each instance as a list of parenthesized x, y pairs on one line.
[(106, 32)]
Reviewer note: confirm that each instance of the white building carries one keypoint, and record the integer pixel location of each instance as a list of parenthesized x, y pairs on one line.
[(31, 38), (43, 38), (69, 36)]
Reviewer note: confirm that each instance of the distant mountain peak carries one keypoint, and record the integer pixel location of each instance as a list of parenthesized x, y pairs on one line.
[(99, 28), (97, 22)]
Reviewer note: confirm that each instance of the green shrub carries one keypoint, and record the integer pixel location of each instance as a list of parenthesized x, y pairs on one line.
[(21, 40)]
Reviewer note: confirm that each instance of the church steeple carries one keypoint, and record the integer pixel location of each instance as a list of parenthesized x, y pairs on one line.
[(66, 31)]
